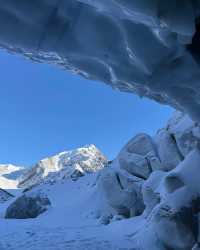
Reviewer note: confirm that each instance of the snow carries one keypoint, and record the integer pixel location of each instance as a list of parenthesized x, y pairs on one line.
[(69, 223), (146, 47), (110, 206), (9, 176), (73, 163), (107, 41)]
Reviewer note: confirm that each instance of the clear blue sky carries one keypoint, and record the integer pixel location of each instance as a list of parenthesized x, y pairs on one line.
[(45, 110)]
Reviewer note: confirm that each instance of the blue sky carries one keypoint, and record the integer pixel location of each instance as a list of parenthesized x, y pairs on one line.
[(45, 110)]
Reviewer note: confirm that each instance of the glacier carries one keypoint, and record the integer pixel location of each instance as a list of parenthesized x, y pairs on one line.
[(148, 197), (146, 47)]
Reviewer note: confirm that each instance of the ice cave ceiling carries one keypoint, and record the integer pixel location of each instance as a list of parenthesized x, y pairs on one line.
[(148, 47)]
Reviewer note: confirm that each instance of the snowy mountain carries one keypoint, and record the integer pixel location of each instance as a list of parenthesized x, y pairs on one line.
[(70, 164), (9, 176), (147, 198)]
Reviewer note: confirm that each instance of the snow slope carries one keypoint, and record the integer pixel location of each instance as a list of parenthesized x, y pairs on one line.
[(69, 224), (9, 176), (143, 46), (161, 194)]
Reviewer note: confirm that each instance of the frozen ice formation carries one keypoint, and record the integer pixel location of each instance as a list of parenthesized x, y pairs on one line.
[(148, 47), (158, 178), (172, 207)]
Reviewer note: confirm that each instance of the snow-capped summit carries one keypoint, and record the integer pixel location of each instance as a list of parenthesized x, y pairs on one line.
[(73, 163), (9, 175)]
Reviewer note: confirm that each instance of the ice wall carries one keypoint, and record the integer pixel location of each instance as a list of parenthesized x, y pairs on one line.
[(148, 47)]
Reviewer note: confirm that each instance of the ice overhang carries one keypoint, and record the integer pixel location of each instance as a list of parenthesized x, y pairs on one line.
[(148, 47)]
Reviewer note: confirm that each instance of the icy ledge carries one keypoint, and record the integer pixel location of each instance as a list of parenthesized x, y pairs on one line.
[(146, 47)]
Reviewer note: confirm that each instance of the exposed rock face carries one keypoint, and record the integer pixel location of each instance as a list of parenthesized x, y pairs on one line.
[(70, 164), (107, 40), (27, 206)]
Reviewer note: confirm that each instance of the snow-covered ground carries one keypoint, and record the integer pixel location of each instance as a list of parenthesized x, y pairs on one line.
[(70, 223), (147, 198)]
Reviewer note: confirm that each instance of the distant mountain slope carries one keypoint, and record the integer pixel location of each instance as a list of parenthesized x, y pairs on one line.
[(9, 175), (73, 163)]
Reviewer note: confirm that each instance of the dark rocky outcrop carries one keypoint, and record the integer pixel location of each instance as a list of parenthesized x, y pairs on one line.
[(27, 206)]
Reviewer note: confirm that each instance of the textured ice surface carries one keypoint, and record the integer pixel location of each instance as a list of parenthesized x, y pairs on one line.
[(148, 47), (143, 46)]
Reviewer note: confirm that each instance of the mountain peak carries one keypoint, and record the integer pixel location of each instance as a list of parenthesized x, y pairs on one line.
[(72, 163)]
